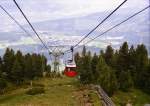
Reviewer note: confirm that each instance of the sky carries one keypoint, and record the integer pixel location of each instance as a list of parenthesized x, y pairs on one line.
[(42, 10)]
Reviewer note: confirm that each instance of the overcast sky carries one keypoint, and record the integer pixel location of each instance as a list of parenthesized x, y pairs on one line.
[(41, 10)]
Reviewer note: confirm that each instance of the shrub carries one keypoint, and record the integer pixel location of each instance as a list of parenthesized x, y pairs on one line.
[(35, 91), (38, 85)]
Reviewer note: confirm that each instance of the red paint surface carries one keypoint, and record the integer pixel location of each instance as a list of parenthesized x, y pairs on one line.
[(70, 73)]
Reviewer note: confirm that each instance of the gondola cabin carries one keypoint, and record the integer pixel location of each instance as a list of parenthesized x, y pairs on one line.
[(70, 70)]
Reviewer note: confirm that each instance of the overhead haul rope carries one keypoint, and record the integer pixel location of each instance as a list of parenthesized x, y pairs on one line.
[(118, 24), (11, 17), (31, 26), (99, 24), (135, 14)]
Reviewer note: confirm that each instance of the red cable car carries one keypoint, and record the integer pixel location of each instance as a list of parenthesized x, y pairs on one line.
[(70, 70)]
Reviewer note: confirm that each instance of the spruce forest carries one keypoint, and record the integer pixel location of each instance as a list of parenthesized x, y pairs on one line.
[(114, 70)]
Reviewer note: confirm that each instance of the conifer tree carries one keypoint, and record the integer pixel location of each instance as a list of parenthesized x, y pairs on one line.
[(125, 81), (141, 64), (1, 63), (8, 60), (94, 62), (131, 62), (85, 69), (123, 57), (29, 74), (146, 79), (106, 78), (109, 53), (84, 51), (102, 53), (115, 60), (78, 62), (17, 72)]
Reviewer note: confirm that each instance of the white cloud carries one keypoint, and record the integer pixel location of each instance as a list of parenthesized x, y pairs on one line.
[(104, 44), (112, 38), (41, 10), (21, 41), (52, 39)]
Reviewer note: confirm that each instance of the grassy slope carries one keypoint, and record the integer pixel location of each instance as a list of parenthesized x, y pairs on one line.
[(59, 92), (135, 97)]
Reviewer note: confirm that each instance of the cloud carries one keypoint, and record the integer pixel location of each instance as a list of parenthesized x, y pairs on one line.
[(21, 41), (42, 10), (52, 40), (112, 38), (39, 10)]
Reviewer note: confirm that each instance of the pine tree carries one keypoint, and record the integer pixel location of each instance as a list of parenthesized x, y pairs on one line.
[(20, 58), (85, 72), (29, 73), (109, 53), (85, 67), (102, 53), (115, 60), (1, 63), (35, 68), (94, 62), (141, 63), (124, 70), (84, 51), (77, 57), (39, 65), (141, 57), (125, 81), (106, 78), (146, 79), (132, 58), (44, 64), (123, 57), (89, 70), (8, 60), (131, 62), (78, 62), (100, 64), (17, 72)]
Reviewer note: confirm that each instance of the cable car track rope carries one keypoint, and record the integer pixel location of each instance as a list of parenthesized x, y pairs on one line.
[(101, 23), (11, 17), (135, 14), (118, 24), (31, 26), (15, 21), (27, 33)]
